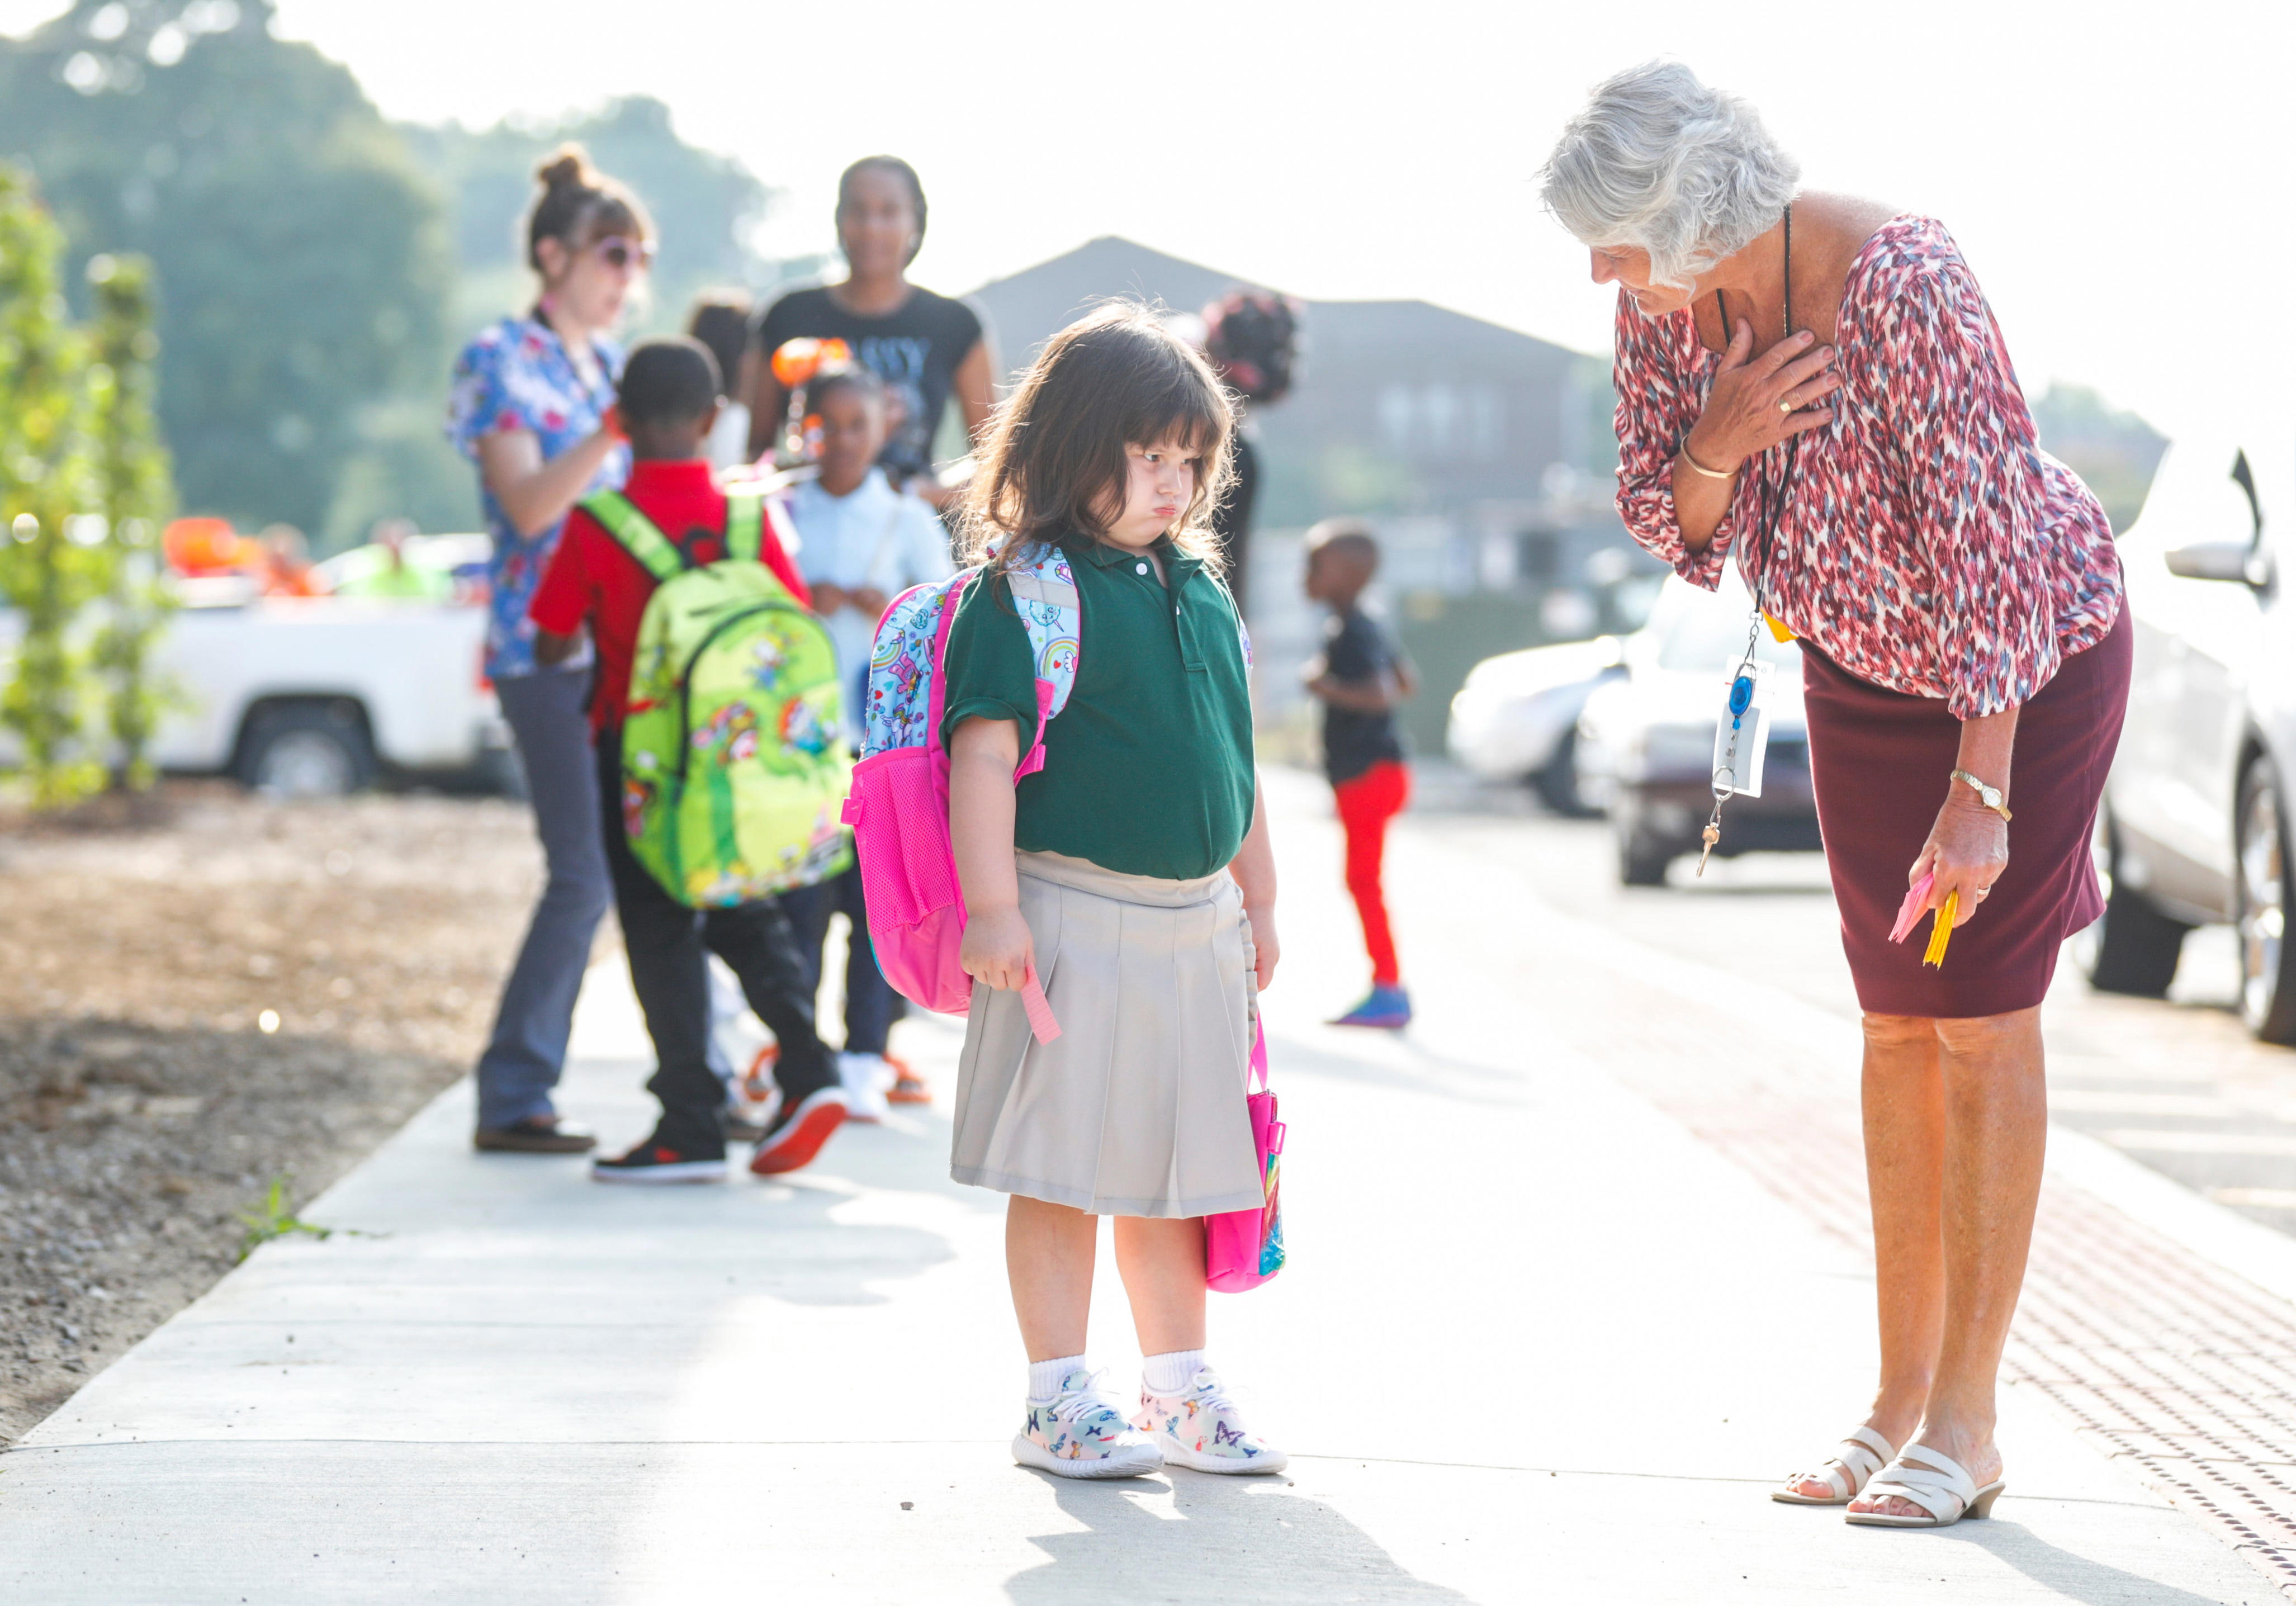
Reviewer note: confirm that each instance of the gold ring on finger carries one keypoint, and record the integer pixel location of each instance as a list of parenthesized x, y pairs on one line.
[(1785, 406)]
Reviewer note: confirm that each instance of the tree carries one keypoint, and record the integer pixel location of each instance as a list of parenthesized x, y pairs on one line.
[(132, 486), (305, 258), (51, 563)]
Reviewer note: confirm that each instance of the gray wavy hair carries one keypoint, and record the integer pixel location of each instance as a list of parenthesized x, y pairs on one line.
[(1660, 161)]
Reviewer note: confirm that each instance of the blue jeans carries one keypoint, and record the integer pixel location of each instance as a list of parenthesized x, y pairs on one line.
[(870, 1005), (549, 719)]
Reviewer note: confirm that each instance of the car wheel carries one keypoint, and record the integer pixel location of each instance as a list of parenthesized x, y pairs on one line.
[(1557, 783), (307, 750), (2262, 897), (1642, 858), (2132, 947)]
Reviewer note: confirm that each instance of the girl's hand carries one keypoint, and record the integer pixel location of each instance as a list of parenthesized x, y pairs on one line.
[(1755, 404), (998, 948), (1967, 851), (828, 597), (867, 600), (1266, 949)]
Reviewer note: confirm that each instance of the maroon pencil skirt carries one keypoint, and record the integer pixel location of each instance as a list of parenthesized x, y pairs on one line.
[(1880, 762)]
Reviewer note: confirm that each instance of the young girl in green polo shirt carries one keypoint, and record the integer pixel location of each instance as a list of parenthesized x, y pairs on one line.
[(1132, 873)]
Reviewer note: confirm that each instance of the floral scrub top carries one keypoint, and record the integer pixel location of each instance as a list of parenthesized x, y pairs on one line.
[(1921, 540), (518, 376)]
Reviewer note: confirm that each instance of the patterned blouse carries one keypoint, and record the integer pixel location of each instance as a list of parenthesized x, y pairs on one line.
[(518, 376), (1921, 540)]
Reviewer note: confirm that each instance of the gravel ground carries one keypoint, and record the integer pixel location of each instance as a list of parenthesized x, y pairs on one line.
[(143, 1105)]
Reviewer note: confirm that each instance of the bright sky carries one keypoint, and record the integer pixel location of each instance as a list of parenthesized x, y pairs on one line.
[(2118, 174)]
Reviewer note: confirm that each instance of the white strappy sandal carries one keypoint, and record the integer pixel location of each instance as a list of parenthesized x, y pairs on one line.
[(1934, 1482), (1863, 1453)]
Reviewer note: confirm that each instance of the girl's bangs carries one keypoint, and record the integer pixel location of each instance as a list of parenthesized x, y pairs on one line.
[(1184, 410)]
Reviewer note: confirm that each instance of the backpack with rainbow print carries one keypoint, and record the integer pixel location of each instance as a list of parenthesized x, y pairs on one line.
[(732, 771), (899, 805)]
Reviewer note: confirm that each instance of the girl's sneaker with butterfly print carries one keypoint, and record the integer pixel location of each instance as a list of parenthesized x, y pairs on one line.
[(1080, 1432), (1200, 1428)]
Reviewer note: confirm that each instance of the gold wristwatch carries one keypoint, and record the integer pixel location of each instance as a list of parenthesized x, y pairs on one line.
[(1992, 797)]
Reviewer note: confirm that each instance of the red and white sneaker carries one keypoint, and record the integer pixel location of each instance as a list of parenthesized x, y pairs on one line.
[(908, 1088), (797, 1133)]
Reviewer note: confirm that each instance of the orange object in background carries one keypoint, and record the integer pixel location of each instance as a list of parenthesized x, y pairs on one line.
[(799, 360), (206, 546)]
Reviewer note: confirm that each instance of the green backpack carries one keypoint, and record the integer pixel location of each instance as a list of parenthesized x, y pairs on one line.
[(734, 769)]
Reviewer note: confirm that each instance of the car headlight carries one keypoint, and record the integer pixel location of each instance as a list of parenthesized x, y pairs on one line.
[(1673, 751)]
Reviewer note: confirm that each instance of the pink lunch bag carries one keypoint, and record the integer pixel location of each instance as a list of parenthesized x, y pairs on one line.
[(1244, 1249)]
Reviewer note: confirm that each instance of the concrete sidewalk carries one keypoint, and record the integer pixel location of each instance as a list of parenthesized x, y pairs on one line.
[(1537, 1342)]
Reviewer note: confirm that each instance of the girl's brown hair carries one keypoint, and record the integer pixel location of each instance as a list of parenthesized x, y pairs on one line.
[(1053, 471), (580, 204)]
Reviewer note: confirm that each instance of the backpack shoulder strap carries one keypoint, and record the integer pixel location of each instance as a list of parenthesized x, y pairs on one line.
[(637, 533), (1045, 595), (745, 526)]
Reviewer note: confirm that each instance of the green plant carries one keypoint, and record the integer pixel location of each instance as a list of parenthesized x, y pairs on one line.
[(131, 473), (275, 1218), (53, 562)]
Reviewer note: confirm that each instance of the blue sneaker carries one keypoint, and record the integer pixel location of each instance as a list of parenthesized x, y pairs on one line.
[(1388, 1008)]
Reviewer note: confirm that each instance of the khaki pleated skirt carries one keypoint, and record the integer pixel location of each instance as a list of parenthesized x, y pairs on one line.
[(1137, 1108)]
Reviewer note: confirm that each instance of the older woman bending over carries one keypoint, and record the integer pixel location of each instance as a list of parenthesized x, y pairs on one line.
[(1815, 385)]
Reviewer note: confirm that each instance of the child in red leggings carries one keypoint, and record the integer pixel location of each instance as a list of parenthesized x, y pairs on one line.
[(1359, 677)]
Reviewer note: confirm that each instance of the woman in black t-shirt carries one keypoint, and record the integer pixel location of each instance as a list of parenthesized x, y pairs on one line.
[(925, 346)]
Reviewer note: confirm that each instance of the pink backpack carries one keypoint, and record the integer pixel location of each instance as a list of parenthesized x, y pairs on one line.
[(1244, 1249), (898, 808)]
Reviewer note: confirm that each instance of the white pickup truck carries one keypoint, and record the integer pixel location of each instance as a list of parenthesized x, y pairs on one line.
[(320, 696)]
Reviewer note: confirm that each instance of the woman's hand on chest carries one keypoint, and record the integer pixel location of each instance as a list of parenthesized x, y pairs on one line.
[(1756, 402)]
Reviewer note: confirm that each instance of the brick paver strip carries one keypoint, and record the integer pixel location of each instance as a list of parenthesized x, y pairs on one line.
[(2184, 1371)]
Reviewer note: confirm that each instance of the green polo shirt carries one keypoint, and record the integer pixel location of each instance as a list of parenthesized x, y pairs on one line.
[(1148, 771)]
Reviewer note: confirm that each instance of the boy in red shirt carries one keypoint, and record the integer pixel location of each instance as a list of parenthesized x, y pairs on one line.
[(668, 401)]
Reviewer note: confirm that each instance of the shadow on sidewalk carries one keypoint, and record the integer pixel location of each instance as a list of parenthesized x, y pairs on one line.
[(1236, 1539), (2074, 1577), (1393, 1061)]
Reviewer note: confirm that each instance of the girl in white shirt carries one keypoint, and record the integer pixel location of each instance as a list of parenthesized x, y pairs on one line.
[(861, 544)]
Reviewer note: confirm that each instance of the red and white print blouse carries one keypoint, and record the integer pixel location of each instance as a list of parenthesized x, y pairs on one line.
[(1921, 540)]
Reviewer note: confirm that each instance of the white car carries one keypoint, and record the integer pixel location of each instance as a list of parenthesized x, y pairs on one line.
[(310, 697), (2195, 826), (1646, 739), (1516, 719)]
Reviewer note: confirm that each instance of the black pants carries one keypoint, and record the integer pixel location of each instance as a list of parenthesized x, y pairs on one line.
[(669, 972), (870, 1003)]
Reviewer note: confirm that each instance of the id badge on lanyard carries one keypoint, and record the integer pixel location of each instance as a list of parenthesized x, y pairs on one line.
[(1742, 734)]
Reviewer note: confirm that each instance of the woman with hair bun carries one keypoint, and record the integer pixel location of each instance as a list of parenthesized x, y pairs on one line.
[(532, 406), (925, 346)]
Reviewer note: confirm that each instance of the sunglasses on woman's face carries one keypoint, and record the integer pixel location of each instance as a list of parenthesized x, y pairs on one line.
[(622, 253)]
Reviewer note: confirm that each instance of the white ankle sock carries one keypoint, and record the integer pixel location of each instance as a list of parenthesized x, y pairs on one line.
[(1170, 1374), (1046, 1377)]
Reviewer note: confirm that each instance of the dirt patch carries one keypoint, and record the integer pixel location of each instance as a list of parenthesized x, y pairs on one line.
[(143, 1106)]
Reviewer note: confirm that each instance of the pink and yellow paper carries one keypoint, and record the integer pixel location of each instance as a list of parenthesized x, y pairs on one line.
[(1909, 915)]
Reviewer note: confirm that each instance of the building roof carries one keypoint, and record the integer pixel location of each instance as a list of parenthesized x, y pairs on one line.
[(1400, 406)]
